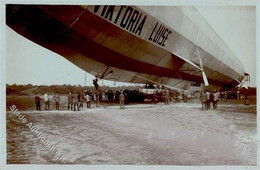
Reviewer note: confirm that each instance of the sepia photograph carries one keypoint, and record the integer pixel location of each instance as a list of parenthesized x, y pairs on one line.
[(131, 85)]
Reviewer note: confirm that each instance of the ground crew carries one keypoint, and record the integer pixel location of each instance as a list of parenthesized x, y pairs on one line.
[(225, 96), (38, 101), (56, 98), (215, 101), (163, 95), (211, 99), (95, 83), (167, 97), (80, 100), (122, 100), (47, 101), (70, 105), (74, 101), (154, 97), (184, 97), (203, 98), (208, 100), (87, 98)]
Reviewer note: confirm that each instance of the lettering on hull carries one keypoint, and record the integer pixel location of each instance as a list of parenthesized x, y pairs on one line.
[(126, 17), (135, 21), (160, 35)]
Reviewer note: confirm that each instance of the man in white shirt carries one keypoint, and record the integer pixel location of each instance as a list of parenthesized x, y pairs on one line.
[(215, 101), (87, 97), (208, 100), (47, 101)]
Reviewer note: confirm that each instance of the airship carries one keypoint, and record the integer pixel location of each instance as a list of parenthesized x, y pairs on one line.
[(171, 46)]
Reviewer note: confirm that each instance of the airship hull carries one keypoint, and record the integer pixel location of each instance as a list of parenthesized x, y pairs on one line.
[(126, 42)]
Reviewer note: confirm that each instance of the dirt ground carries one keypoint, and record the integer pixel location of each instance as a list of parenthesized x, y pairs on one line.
[(140, 134)]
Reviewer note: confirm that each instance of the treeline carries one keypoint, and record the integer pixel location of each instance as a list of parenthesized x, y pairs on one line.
[(30, 89)]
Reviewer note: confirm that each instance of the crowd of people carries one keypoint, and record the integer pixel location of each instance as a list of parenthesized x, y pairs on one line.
[(166, 96), (75, 101), (47, 101), (208, 97)]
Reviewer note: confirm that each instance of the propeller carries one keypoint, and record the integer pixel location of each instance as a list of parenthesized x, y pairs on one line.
[(205, 79)]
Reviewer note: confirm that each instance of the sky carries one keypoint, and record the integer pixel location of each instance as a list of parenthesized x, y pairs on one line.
[(27, 62)]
